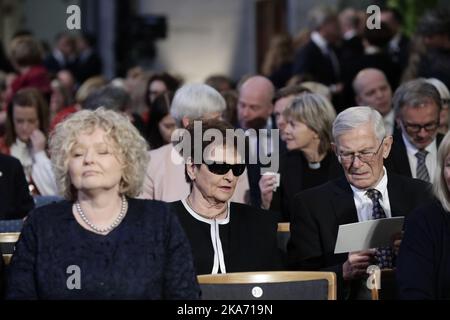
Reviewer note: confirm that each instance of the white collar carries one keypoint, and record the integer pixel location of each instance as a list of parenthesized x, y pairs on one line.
[(411, 149), (202, 219), (320, 41), (381, 186)]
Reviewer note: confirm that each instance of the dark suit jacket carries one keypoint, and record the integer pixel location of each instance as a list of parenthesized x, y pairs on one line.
[(249, 240), (318, 212), (88, 67), (423, 263), (398, 162), (312, 63), (15, 199)]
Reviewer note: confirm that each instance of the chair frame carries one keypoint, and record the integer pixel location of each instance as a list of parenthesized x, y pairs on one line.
[(8, 237), (271, 277)]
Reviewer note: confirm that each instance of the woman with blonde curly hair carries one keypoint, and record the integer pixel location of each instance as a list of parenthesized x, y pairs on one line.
[(101, 243)]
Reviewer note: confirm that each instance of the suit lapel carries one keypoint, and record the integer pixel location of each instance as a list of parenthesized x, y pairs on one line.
[(343, 202), (397, 197), (400, 156)]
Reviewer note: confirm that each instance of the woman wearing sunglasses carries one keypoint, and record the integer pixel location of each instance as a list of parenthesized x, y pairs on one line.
[(224, 236)]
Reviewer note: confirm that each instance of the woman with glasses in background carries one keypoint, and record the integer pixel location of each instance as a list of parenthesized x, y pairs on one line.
[(225, 237)]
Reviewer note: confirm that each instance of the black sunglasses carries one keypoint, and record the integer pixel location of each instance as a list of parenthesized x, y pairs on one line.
[(224, 168)]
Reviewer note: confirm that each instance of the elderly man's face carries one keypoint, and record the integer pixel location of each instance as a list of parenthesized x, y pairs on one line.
[(254, 108), (362, 141), (420, 124), (375, 92)]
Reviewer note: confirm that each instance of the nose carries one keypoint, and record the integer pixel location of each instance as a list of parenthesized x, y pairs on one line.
[(229, 176), (357, 163), (422, 133), (89, 157)]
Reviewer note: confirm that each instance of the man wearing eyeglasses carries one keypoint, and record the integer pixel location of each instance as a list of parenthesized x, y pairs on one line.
[(417, 106), (367, 192)]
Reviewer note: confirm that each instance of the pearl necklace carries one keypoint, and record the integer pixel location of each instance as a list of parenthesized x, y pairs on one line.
[(115, 223)]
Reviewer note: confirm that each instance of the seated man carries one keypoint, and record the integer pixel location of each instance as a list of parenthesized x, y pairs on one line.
[(367, 192)]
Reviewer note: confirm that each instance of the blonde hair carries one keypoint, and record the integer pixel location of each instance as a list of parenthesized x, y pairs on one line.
[(131, 148), (315, 111), (440, 188)]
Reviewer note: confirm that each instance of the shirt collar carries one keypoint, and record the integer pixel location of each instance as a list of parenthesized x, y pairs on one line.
[(411, 149), (381, 186), (320, 41)]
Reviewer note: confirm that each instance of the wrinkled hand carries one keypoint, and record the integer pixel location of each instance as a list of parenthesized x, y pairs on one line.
[(38, 141), (357, 263), (267, 185)]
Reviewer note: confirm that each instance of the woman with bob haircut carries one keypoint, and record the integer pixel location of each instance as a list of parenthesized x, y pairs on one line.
[(224, 236), (310, 160), (101, 243), (424, 258)]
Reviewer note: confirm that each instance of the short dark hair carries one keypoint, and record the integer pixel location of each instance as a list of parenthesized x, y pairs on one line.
[(435, 21), (395, 13), (217, 124)]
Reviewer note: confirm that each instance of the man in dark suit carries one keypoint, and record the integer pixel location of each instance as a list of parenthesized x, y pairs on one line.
[(318, 60), (399, 45), (15, 198), (417, 106), (367, 192), (255, 112)]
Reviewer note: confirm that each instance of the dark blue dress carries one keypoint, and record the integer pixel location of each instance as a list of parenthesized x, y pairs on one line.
[(146, 257), (423, 266)]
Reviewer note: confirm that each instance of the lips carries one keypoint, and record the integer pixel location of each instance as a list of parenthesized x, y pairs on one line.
[(90, 173)]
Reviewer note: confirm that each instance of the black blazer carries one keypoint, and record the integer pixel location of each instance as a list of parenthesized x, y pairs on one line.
[(397, 161), (249, 240), (318, 212), (313, 64), (292, 166), (15, 198), (423, 263)]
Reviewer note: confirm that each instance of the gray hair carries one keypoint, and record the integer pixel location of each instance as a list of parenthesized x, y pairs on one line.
[(440, 188), (194, 101), (318, 16), (415, 93), (109, 97), (354, 117), (315, 111), (440, 87)]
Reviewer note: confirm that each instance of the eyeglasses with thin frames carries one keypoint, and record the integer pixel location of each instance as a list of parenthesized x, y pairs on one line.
[(364, 156)]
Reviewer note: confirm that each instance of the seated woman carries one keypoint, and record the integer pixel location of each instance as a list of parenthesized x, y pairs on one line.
[(310, 160), (101, 243), (26, 131), (424, 257), (225, 237)]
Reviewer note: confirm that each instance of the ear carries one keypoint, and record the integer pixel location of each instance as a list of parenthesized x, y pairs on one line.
[(185, 122), (191, 169), (387, 145), (334, 147)]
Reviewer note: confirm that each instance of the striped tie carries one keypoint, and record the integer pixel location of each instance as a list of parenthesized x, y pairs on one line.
[(422, 171), (384, 255)]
